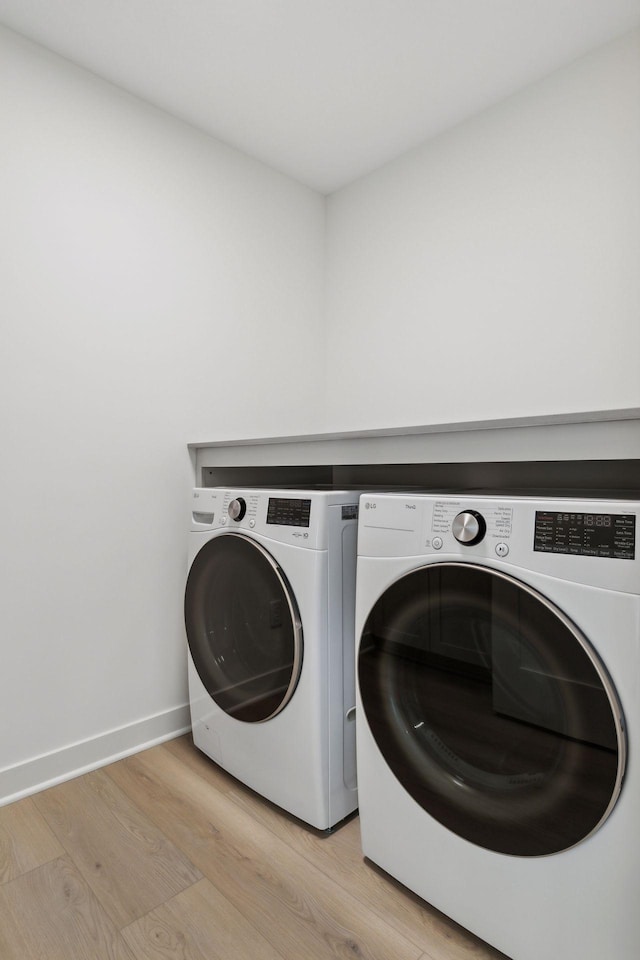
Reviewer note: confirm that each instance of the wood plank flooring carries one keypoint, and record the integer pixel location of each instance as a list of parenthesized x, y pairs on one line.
[(163, 856)]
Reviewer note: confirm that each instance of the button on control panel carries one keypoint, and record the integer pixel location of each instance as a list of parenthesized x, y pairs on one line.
[(237, 508), (469, 527)]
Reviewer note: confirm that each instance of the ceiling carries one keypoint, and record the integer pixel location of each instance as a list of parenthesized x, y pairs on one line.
[(323, 90)]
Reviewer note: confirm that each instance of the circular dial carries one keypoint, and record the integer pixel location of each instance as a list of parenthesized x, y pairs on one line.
[(469, 527), (237, 508)]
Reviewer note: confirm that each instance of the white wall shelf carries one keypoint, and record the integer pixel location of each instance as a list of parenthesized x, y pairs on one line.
[(589, 449)]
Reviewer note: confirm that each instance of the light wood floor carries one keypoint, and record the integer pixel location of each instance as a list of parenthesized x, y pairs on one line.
[(163, 856)]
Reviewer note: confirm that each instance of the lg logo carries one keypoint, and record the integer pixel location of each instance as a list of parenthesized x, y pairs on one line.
[(370, 506)]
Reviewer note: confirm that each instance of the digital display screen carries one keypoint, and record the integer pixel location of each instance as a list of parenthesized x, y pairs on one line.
[(611, 535), (289, 511)]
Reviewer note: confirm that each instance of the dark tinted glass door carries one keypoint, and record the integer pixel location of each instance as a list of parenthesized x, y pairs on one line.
[(491, 709), (243, 628)]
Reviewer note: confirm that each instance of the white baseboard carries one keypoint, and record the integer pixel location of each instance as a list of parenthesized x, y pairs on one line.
[(44, 771)]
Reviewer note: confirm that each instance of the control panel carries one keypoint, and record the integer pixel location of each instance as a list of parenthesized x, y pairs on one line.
[(289, 511), (239, 509), (301, 518), (586, 534), (588, 541), (471, 527)]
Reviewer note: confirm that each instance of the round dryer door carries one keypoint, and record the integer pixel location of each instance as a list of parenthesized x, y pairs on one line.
[(491, 709), (243, 628)]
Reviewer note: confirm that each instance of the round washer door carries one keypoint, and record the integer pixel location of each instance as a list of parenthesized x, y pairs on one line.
[(243, 628), (491, 709)]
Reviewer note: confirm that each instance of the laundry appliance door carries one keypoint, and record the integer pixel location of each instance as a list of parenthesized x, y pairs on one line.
[(243, 628), (492, 709)]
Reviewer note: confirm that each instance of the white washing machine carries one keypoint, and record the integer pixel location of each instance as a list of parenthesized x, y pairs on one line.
[(269, 614), (498, 674)]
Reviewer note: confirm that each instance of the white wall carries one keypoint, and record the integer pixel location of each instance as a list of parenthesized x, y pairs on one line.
[(494, 271), (157, 287)]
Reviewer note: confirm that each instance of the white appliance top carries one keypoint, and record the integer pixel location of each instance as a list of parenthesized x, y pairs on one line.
[(298, 517), (585, 541)]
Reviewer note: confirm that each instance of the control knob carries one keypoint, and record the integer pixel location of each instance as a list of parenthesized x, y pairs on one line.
[(237, 509), (469, 527)]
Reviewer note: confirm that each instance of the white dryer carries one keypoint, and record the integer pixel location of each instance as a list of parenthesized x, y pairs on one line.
[(498, 674), (269, 614)]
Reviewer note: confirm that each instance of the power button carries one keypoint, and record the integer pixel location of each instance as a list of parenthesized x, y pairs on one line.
[(502, 549)]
